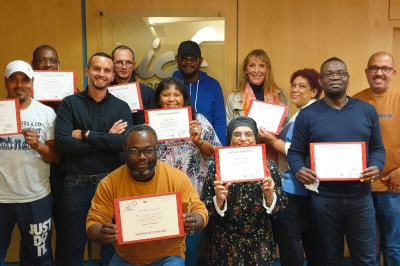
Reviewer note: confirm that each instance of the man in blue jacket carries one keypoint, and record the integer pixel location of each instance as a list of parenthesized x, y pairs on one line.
[(205, 91)]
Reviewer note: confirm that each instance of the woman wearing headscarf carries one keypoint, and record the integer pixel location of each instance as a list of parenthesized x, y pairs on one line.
[(240, 230)]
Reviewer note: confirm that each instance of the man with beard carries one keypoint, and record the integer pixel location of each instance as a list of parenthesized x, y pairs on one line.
[(88, 132), (143, 175), (205, 91), (386, 190), (25, 197), (124, 68), (341, 207)]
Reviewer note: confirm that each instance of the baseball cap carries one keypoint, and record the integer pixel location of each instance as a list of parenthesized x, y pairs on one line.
[(18, 66), (189, 47)]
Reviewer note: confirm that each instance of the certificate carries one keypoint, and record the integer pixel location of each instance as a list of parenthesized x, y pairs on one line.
[(269, 116), (149, 218), (10, 119), (241, 164), (129, 93), (170, 123), (338, 161), (53, 86)]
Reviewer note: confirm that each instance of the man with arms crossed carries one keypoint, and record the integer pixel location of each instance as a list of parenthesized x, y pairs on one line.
[(88, 133), (341, 207), (143, 175), (24, 172), (124, 66), (386, 190)]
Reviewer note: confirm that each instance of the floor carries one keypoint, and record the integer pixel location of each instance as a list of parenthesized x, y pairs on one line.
[(200, 262)]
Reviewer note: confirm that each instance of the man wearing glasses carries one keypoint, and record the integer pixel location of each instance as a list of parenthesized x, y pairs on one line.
[(342, 208), (386, 190), (205, 91), (143, 174), (124, 66), (45, 57)]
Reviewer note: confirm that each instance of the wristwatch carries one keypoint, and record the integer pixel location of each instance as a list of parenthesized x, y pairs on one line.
[(83, 134)]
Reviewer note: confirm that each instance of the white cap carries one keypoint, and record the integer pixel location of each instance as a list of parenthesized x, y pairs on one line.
[(18, 66)]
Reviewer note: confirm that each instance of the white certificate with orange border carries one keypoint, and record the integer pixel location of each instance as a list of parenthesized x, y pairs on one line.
[(241, 163), (269, 116), (149, 218), (129, 93), (10, 119), (338, 161), (170, 123), (53, 85)]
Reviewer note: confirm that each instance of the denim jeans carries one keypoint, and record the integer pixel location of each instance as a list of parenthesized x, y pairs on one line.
[(353, 217), (387, 206), (295, 229), (192, 248), (166, 261), (34, 223), (77, 200)]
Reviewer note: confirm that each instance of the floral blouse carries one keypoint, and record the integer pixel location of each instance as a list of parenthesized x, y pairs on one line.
[(187, 157), (243, 236)]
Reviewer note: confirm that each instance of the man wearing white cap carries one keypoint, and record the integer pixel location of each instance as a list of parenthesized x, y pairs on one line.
[(24, 172)]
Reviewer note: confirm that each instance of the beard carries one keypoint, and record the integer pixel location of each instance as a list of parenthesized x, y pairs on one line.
[(132, 168)]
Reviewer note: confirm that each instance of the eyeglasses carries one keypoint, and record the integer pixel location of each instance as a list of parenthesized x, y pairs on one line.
[(42, 61), (247, 135), (121, 63), (341, 75), (374, 69), (192, 59), (136, 152)]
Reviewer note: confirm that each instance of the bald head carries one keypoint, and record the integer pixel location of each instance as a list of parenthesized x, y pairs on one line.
[(383, 55)]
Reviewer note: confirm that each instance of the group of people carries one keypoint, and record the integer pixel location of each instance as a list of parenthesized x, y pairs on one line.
[(73, 158)]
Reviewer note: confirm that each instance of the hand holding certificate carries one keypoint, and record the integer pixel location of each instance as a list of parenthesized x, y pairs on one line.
[(148, 218), (339, 161), (170, 123), (241, 163), (269, 116), (10, 121)]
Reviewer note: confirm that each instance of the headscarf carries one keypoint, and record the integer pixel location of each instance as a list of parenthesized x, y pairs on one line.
[(241, 121)]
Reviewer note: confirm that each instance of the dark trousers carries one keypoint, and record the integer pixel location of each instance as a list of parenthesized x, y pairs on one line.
[(35, 226), (295, 230), (353, 217), (57, 180), (77, 200)]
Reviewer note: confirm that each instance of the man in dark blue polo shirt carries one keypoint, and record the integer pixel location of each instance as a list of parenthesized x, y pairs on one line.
[(88, 132)]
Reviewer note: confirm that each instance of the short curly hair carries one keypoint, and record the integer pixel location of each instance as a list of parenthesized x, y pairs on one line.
[(311, 75)]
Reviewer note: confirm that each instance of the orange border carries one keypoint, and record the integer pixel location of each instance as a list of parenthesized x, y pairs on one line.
[(179, 213), (139, 93), (312, 159), (17, 116), (56, 71), (286, 108), (265, 163), (146, 118)]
